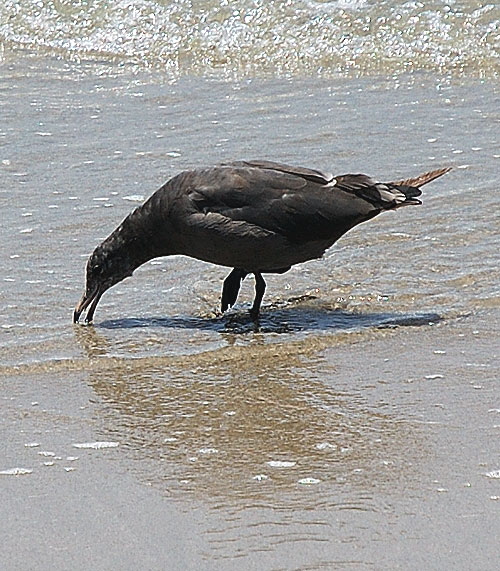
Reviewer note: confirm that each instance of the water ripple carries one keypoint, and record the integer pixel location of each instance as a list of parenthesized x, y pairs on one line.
[(255, 37)]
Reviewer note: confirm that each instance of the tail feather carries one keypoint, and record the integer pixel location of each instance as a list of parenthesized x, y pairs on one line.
[(390, 195), (423, 178)]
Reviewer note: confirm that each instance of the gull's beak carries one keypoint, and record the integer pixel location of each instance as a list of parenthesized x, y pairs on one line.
[(88, 299)]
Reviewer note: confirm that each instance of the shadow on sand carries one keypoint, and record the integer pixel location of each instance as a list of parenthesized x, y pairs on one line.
[(279, 320)]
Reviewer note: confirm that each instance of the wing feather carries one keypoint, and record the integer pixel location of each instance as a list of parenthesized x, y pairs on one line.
[(280, 202)]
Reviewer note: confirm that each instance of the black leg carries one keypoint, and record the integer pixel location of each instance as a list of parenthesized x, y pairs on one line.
[(231, 287), (260, 288)]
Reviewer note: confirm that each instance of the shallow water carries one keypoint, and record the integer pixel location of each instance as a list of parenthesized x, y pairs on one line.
[(81, 149), (353, 427)]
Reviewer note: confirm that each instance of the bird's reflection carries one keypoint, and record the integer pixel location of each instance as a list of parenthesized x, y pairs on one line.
[(242, 420)]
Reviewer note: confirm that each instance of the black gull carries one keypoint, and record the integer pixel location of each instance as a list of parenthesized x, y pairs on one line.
[(253, 216)]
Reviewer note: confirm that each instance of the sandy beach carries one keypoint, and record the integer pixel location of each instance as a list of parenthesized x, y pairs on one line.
[(356, 425), (403, 472)]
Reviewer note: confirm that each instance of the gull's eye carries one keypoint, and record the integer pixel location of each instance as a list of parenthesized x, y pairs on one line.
[(95, 269)]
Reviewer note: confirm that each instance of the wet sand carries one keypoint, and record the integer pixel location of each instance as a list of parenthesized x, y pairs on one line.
[(417, 487)]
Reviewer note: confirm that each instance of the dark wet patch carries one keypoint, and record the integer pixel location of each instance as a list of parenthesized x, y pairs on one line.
[(414, 320), (282, 320)]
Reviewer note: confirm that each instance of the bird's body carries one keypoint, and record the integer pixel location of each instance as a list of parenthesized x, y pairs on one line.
[(256, 217)]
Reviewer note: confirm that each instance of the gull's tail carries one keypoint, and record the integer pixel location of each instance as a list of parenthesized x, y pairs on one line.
[(422, 179)]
